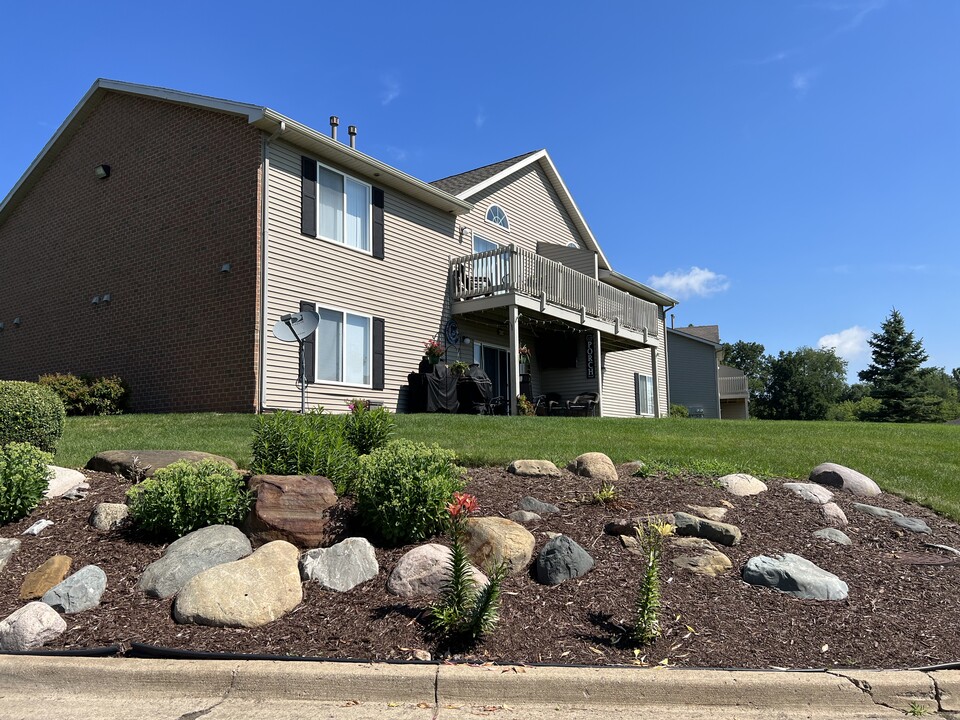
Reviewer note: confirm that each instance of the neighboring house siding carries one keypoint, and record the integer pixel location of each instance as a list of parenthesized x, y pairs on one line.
[(532, 206), (408, 288), (693, 375), (182, 199)]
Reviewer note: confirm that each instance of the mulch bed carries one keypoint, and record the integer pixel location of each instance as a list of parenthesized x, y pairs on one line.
[(898, 614)]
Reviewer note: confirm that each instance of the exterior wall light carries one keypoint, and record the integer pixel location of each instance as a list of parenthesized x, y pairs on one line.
[(226, 267), (105, 298), (96, 299), (17, 322), (102, 172), (1, 326)]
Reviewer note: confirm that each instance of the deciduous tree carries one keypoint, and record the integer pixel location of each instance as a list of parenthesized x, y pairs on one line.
[(804, 384)]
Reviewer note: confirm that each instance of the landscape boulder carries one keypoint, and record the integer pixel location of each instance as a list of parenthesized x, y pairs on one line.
[(704, 560), (833, 535), (741, 484), (51, 573), (912, 524), (491, 540), (30, 627), (245, 593), (522, 516), (62, 481), (562, 559), (192, 554), (795, 576), (81, 591), (294, 508), (532, 468), (718, 532), (424, 571), (810, 492), (531, 504), (138, 464), (838, 476), (877, 511), (710, 513), (343, 566), (594, 465), (8, 547), (833, 515), (109, 516), (628, 526)]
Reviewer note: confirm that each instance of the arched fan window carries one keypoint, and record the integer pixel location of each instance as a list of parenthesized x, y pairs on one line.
[(497, 216)]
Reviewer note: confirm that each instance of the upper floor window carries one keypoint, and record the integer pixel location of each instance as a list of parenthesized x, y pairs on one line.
[(343, 209), (497, 216)]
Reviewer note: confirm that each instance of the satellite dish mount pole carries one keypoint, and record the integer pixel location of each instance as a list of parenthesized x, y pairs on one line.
[(301, 380)]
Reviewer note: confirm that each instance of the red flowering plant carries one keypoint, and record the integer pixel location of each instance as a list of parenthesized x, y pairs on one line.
[(433, 349), (464, 611)]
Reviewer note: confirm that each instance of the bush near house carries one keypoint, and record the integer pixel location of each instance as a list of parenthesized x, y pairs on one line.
[(23, 479), (87, 395), (30, 413), (679, 411), (366, 428)]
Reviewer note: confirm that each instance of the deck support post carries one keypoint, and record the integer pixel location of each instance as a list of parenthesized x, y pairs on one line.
[(598, 359), (513, 319)]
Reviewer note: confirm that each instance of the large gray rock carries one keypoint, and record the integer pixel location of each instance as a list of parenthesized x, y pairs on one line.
[(718, 532), (109, 516), (8, 547), (838, 476), (594, 465), (81, 591), (62, 480), (138, 464), (30, 627), (912, 524), (628, 526), (343, 566), (833, 535), (424, 571), (562, 559), (492, 540), (192, 554), (741, 484), (877, 511), (795, 576), (522, 516), (833, 515), (810, 492), (246, 593), (531, 468), (531, 504)]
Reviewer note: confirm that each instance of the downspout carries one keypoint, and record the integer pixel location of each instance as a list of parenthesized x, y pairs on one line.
[(264, 209), (666, 353)]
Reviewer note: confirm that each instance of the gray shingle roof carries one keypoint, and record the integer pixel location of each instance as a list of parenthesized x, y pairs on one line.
[(456, 184), (707, 332)]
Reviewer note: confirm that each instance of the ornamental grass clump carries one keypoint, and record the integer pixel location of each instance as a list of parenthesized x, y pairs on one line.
[(186, 496), (465, 612), (24, 477)]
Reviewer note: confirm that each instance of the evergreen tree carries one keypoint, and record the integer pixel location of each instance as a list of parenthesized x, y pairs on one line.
[(894, 373)]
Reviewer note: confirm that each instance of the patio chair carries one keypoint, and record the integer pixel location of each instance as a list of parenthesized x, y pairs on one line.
[(554, 404), (583, 404)]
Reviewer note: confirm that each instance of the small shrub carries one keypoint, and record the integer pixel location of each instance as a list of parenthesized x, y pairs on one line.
[(87, 395), (366, 429), (465, 612), (185, 496), (606, 495), (524, 406), (679, 411), (286, 443), (646, 625), (23, 479), (30, 413), (402, 490)]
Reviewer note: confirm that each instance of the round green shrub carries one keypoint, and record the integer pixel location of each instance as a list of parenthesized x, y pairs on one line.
[(24, 478), (186, 496), (680, 411), (403, 488), (30, 413)]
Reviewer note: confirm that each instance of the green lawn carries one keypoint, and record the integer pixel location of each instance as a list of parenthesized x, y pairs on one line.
[(920, 462)]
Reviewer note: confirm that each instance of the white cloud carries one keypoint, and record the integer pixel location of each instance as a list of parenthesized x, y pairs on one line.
[(689, 283), (850, 344), (390, 90), (480, 118)]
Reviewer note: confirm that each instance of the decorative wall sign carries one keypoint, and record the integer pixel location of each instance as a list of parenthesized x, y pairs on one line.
[(591, 359), (451, 332)]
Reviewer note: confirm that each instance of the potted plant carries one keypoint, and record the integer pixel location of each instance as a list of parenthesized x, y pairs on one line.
[(459, 368), (433, 351), (525, 354)]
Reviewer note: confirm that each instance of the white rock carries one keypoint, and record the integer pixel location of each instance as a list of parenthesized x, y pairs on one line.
[(741, 484), (424, 571), (63, 480), (343, 566), (38, 527), (30, 627)]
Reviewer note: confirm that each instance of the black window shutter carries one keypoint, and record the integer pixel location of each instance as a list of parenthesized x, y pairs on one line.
[(378, 223), (636, 392), (378, 354), (309, 348), (308, 196)]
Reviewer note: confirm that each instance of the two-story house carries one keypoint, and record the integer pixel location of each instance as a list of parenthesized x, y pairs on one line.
[(160, 235)]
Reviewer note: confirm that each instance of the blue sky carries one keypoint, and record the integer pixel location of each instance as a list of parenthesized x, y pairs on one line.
[(789, 170)]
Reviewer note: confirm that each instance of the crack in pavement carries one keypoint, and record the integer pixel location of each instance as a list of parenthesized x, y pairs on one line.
[(867, 689), (436, 693), (200, 713)]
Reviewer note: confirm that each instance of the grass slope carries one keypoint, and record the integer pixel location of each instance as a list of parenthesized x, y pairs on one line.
[(919, 462)]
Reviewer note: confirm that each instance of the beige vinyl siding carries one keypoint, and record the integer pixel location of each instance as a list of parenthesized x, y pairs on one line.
[(583, 261), (407, 288), (532, 207), (619, 390)]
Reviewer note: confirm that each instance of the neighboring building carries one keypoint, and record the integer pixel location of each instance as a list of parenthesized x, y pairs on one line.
[(160, 235), (698, 380)]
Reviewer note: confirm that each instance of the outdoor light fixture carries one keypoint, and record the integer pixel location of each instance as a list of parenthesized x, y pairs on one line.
[(16, 322), (106, 297), (1, 326), (466, 340), (102, 172), (96, 299), (226, 267)]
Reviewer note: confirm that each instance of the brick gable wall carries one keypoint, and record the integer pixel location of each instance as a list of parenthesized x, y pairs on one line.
[(181, 200)]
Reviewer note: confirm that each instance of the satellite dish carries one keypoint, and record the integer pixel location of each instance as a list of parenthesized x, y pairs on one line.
[(296, 327)]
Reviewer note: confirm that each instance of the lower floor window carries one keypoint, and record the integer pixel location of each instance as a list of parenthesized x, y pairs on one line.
[(645, 394), (343, 347)]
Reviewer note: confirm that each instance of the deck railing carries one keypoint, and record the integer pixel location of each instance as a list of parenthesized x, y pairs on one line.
[(512, 269), (731, 387)]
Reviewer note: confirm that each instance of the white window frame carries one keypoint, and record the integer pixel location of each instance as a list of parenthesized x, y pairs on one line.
[(342, 242), (506, 218), (343, 348), (648, 382)]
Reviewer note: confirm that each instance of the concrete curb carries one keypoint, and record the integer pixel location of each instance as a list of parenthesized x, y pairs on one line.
[(44, 687)]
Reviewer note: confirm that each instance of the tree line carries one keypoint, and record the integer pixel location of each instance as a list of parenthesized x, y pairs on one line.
[(810, 384)]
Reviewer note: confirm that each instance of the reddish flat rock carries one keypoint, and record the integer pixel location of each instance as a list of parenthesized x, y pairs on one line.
[(290, 507)]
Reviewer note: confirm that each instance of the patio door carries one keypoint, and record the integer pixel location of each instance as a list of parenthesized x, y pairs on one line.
[(495, 362)]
